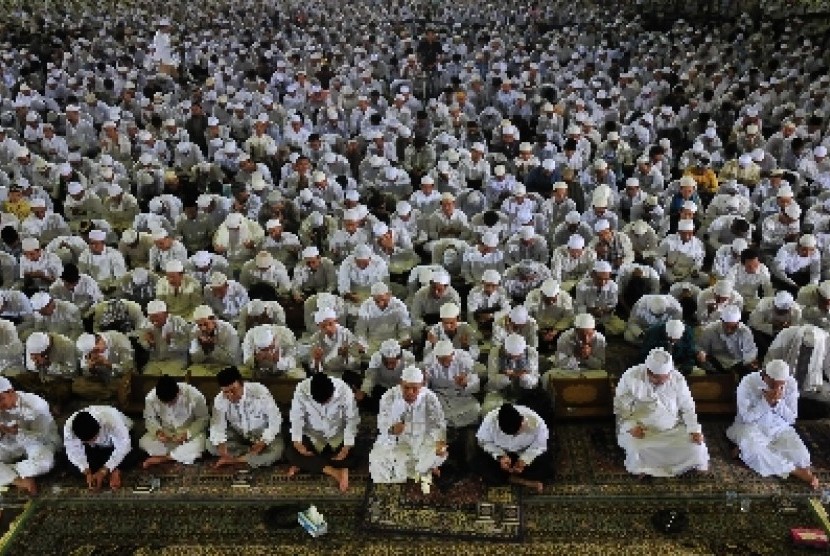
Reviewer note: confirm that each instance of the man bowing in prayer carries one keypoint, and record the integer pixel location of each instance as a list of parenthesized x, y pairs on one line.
[(763, 428), (412, 439), (656, 420), (324, 419)]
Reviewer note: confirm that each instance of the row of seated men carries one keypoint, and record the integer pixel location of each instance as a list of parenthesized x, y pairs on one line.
[(418, 430)]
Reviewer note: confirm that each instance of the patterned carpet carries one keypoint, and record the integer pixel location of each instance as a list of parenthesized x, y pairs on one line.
[(593, 507)]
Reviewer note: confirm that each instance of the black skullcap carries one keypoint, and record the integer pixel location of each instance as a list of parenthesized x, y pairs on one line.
[(322, 387), (510, 420)]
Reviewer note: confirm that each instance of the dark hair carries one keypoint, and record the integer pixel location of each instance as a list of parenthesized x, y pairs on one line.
[(85, 426), (167, 388), (70, 273), (228, 376), (510, 420), (322, 387), (750, 253)]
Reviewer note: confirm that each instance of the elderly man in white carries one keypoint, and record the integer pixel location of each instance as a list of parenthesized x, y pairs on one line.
[(270, 349), (656, 421), (512, 370), (650, 310), (29, 438), (324, 419), (358, 272), (246, 423), (450, 374), (382, 316), (763, 428), (176, 417), (413, 430)]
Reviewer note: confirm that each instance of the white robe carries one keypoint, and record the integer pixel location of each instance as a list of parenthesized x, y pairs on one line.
[(764, 434), (30, 452), (394, 459), (189, 414), (667, 413)]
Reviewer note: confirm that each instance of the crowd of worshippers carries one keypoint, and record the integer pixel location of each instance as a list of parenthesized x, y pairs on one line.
[(425, 225)]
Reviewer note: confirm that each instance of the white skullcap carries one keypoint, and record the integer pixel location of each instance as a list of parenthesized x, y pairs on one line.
[(5, 385), (324, 314), (777, 370), (499, 170), (560, 185), (310, 252), (793, 211), (490, 239), (820, 151), (37, 203), (824, 289), (687, 181), (318, 177), (550, 288), (439, 277), (156, 306), (86, 343), (602, 266), (256, 307), (443, 348), (691, 206), (808, 240), (403, 208), (549, 164), (37, 342), (723, 288), (731, 314), (30, 244), (784, 191), (573, 217), (515, 344), (390, 348), (657, 305), (639, 227), (97, 235), (233, 220), (783, 300), (527, 232), (518, 314), (174, 266), (362, 251), (218, 279), (632, 182), (659, 361), (600, 201), (584, 321), (352, 195), (379, 288), (273, 223), (263, 337), (675, 329), (412, 375), (576, 242), (449, 311), (601, 225), (140, 276), (491, 276), (202, 312), (40, 300), (739, 244), (745, 159)]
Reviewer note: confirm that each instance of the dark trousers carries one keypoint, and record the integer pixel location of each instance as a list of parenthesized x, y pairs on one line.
[(320, 459), (97, 456), (371, 402), (541, 469)]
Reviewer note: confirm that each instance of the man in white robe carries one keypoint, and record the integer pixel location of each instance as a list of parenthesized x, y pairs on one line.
[(29, 438), (412, 439), (656, 421), (176, 416), (763, 428), (451, 376)]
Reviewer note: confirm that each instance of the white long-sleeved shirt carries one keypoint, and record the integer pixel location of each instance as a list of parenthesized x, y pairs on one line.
[(332, 423), (754, 409), (109, 265), (423, 419), (350, 277), (529, 443), (189, 411), (639, 402), (255, 416), (114, 433)]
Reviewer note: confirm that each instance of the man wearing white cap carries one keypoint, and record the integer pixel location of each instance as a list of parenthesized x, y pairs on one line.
[(103, 263), (572, 225), (324, 419), (780, 228), (805, 349), (426, 199), (176, 417), (258, 312), (597, 294), (270, 349), (52, 315), (427, 301), (512, 371), (713, 299), (202, 264), (135, 247), (29, 438), (815, 302), (103, 358), (265, 269), (797, 264), (225, 296), (484, 256), (384, 372), (357, 273), (570, 262), (344, 240), (43, 224), (648, 311), (38, 268), (181, 293), (237, 239), (812, 167), (166, 338), (763, 428), (750, 277), (677, 339), (334, 349), (313, 274), (772, 315), (382, 316), (246, 423), (81, 205), (451, 328), (448, 221), (165, 249), (680, 255), (516, 321), (728, 344), (412, 433), (526, 245), (283, 246), (485, 300), (611, 245), (51, 365), (656, 420), (214, 343), (121, 207), (450, 374)]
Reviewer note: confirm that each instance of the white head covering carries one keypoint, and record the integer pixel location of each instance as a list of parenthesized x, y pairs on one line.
[(777, 370), (156, 306), (40, 300), (390, 348), (659, 361), (202, 312), (324, 314), (443, 348), (515, 344), (86, 343), (731, 314), (675, 329), (412, 374), (263, 337), (584, 321), (37, 342), (518, 314)]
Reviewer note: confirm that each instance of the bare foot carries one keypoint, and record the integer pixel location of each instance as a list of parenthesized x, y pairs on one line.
[(292, 471), (115, 479), (436, 471), (343, 480), (536, 486), (807, 476), (155, 460), (27, 485)]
